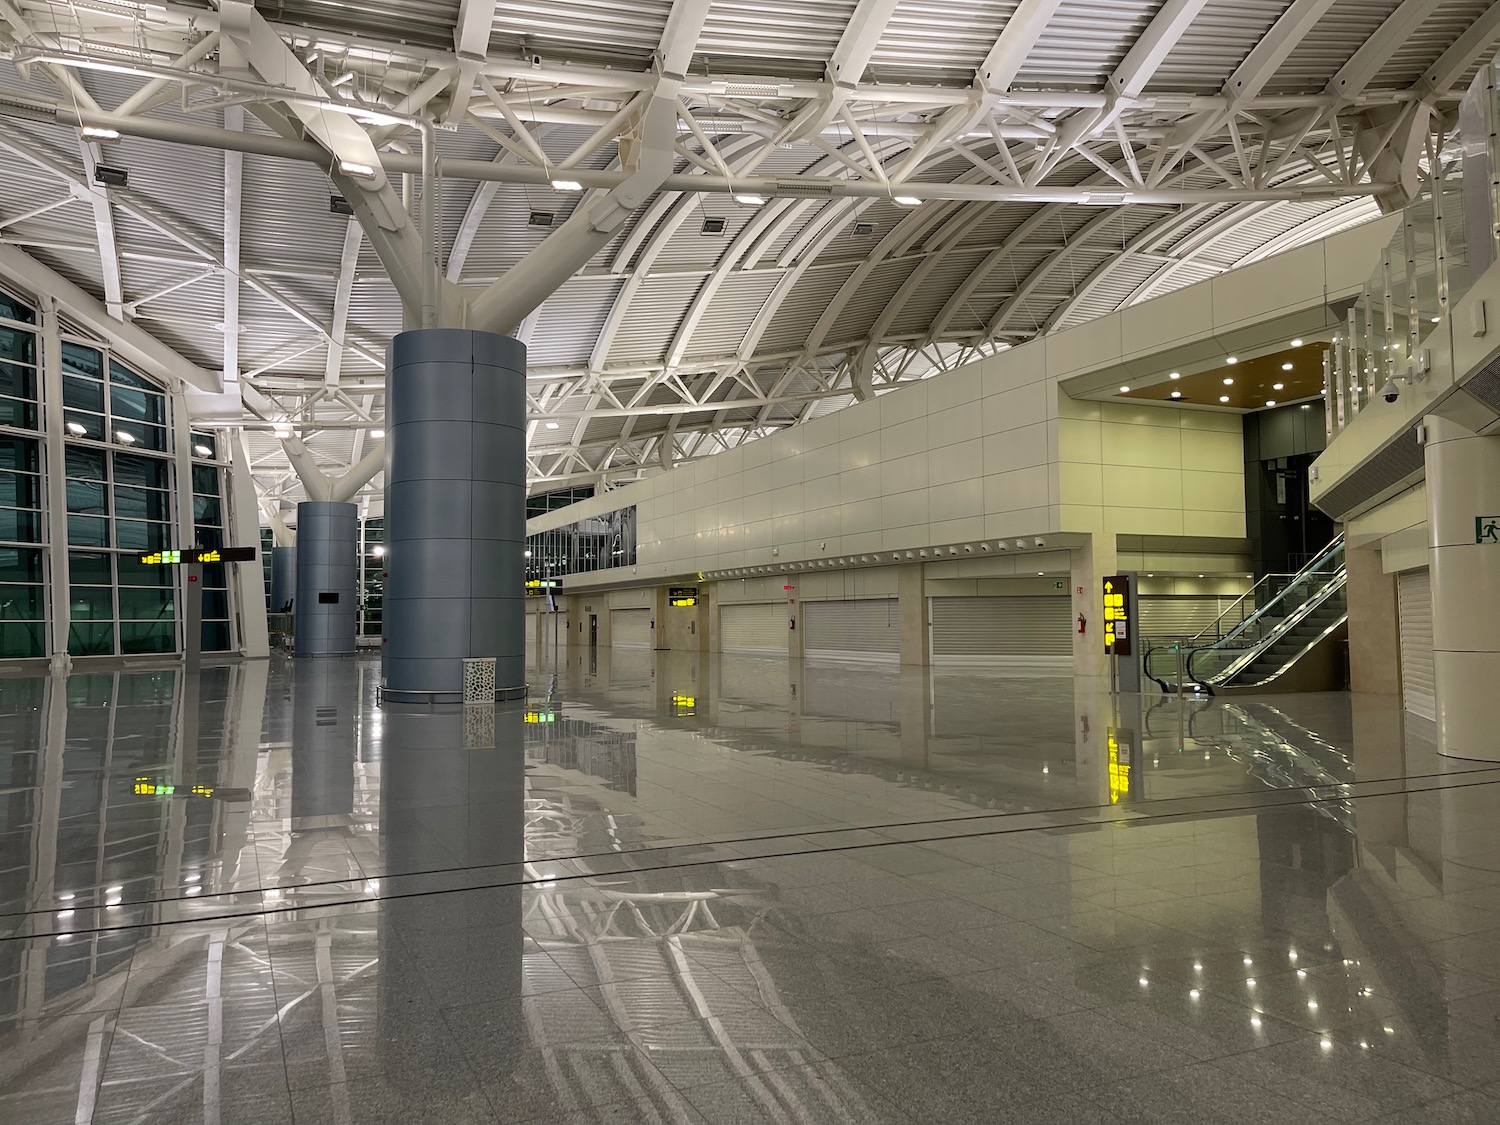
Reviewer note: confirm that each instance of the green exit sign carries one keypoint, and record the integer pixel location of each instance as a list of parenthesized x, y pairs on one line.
[(1487, 529)]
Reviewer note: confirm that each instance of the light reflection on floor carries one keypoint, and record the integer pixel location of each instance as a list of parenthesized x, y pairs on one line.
[(685, 889)]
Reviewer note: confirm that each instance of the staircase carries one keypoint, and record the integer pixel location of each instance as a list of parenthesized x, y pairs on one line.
[(1257, 642)]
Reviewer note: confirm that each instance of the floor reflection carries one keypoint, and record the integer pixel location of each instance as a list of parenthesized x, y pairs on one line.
[(683, 889)]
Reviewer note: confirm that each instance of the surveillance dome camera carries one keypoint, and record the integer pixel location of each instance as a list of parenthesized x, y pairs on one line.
[(1390, 392)]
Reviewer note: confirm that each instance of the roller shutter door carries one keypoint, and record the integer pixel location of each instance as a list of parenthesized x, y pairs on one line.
[(753, 628), (859, 630), (1414, 594), (1030, 631), (630, 628), (1179, 615)]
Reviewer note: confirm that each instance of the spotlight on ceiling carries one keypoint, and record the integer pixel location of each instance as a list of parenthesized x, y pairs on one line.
[(1231, 359), (1175, 375), (906, 200), (1296, 343), (1176, 394), (566, 185), (552, 425), (749, 199), (355, 168), (1286, 366), (1223, 398), (1278, 386)]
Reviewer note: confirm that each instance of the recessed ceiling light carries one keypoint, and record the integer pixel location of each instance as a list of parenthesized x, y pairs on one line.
[(1176, 394), (1436, 319), (1286, 366), (1278, 386), (1270, 402), (1229, 382), (1296, 343), (552, 425), (1223, 398), (1124, 390), (1231, 359), (1175, 375)]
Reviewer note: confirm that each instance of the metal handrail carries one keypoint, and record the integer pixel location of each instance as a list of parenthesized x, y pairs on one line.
[(1336, 583), (1334, 548)]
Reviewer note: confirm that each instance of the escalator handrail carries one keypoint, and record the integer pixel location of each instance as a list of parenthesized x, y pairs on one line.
[(1336, 582), (1334, 548)]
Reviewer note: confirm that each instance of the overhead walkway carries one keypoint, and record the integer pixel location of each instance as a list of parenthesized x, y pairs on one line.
[(1259, 641)]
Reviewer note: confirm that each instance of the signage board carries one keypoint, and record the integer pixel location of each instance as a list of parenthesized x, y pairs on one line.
[(536, 587), (1118, 628), (198, 555), (682, 595), (1487, 529)]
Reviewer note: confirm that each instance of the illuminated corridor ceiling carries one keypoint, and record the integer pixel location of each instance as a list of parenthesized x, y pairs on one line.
[(851, 193)]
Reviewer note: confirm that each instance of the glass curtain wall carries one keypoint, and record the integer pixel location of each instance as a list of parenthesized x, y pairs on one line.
[(371, 576), (23, 602), (118, 498), (597, 543)]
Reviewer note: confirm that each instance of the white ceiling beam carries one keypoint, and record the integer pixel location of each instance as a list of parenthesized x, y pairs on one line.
[(845, 69), (234, 170), (104, 230), (1152, 47), (390, 229), (1465, 51), (135, 345), (647, 157), (1266, 57), (1377, 50), (343, 291), (1017, 38), (471, 40)]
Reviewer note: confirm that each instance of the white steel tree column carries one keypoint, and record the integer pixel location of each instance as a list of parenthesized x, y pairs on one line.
[(1463, 504)]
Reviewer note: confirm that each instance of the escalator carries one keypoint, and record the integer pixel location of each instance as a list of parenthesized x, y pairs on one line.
[(1285, 622)]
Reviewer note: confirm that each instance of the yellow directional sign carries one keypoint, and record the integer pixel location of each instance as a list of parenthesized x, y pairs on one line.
[(199, 555), (1117, 626)]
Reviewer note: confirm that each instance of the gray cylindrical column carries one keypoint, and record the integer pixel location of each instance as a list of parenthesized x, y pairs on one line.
[(455, 520), (327, 606), (283, 577)]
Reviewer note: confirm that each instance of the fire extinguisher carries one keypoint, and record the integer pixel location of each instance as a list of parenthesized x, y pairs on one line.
[(1083, 623)]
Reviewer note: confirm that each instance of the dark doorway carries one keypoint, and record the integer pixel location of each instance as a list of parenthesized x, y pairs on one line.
[(593, 630)]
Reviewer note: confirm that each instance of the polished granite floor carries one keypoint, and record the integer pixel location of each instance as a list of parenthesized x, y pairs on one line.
[(683, 890)]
